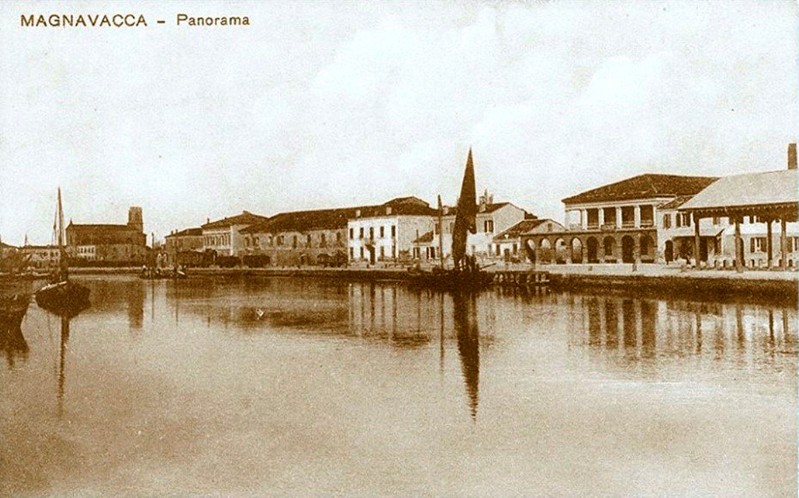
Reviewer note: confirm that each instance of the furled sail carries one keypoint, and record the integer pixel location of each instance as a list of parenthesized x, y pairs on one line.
[(465, 218)]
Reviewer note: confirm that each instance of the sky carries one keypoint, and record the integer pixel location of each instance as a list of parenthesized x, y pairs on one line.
[(321, 104)]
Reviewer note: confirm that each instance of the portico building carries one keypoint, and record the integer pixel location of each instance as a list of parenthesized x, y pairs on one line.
[(769, 199), (614, 223)]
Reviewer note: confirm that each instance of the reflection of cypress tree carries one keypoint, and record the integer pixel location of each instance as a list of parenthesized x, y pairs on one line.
[(468, 346), (12, 342)]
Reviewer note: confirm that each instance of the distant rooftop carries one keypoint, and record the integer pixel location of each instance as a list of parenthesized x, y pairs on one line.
[(188, 232), (245, 218), (521, 227), (644, 186)]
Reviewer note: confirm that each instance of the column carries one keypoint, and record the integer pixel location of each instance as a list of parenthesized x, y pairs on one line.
[(738, 247), (768, 244), (783, 244), (697, 254), (637, 216), (636, 251), (601, 216), (567, 220), (618, 217), (583, 219)]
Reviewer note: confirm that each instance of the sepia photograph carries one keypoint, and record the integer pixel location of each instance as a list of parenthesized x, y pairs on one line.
[(416, 248)]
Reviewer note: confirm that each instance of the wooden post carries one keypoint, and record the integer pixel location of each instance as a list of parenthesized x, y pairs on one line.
[(768, 244), (783, 244), (739, 253), (697, 255)]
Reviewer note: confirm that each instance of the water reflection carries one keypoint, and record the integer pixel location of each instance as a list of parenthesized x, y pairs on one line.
[(12, 342), (465, 313), (650, 330)]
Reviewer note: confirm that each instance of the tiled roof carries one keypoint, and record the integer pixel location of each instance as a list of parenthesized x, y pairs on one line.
[(523, 226), (3, 245), (644, 187), (676, 202), (245, 218), (189, 232), (489, 208), (99, 228), (332, 219), (752, 189)]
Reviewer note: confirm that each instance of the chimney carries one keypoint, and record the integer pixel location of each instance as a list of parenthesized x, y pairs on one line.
[(792, 156), (388, 210)]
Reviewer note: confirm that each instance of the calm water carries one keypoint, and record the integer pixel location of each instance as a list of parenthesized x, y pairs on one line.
[(279, 386)]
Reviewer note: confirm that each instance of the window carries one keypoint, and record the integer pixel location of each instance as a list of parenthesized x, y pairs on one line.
[(308, 240), (488, 226), (382, 232), (371, 232), (716, 220), (360, 234), (393, 231), (382, 251), (322, 241), (352, 253), (757, 244), (294, 242), (666, 221), (361, 252), (678, 221), (352, 234), (515, 248)]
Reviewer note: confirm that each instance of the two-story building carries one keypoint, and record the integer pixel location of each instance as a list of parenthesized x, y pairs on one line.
[(299, 238), (45, 257), (184, 247), (387, 232), (619, 222), (491, 219), (224, 238)]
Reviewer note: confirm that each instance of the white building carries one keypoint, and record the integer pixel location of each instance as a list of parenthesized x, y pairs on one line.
[(387, 232), (224, 236)]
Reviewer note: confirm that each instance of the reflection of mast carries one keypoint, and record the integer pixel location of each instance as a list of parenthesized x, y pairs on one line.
[(441, 334), (468, 346), (12, 341), (61, 357)]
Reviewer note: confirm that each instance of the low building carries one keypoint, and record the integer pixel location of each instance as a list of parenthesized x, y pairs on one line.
[(109, 243), (46, 257), (508, 244), (224, 238), (619, 222), (768, 201), (387, 232), (491, 219), (316, 237), (184, 247)]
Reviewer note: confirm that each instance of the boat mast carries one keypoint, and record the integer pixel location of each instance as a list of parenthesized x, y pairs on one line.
[(60, 235), (440, 231)]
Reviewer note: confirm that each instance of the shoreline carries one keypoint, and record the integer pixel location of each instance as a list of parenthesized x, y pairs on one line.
[(652, 281)]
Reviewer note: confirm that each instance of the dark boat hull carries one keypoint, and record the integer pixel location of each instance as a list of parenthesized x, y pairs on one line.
[(13, 309), (452, 281), (63, 298)]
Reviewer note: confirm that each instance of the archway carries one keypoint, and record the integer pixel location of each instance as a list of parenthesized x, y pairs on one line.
[(593, 248), (577, 250), (669, 252), (561, 251), (627, 246), (609, 245), (546, 251), (647, 248), (529, 249)]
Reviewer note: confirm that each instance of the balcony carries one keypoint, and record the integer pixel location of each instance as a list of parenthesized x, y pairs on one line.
[(609, 227), (593, 226), (628, 224), (647, 223)]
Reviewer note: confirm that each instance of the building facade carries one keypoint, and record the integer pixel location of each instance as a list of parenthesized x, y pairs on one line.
[(508, 244), (491, 219), (108, 243), (184, 247), (47, 257), (387, 232), (224, 238), (619, 222), (317, 237)]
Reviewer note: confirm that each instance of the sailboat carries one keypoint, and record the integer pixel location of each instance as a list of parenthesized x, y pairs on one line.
[(62, 296), (465, 273)]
